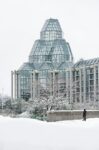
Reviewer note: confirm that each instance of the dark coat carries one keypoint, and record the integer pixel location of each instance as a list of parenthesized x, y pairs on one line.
[(84, 114)]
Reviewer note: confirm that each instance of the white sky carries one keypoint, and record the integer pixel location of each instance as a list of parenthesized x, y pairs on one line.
[(22, 20)]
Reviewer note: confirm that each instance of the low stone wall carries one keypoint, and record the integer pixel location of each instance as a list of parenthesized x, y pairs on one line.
[(70, 115)]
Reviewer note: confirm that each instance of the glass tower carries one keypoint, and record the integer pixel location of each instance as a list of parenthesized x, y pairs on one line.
[(50, 52), (50, 71)]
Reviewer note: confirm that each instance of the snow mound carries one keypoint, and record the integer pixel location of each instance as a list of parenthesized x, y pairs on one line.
[(24, 115), (30, 134)]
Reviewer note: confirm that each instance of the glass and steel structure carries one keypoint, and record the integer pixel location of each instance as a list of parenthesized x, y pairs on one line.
[(50, 52), (50, 70)]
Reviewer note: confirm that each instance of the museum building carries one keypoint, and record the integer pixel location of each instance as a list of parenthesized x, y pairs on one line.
[(51, 70)]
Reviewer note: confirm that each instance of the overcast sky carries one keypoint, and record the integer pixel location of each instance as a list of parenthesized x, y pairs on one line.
[(22, 20)]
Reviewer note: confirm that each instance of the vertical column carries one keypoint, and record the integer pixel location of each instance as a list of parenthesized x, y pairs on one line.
[(31, 85), (75, 86), (36, 91), (15, 84), (19, 88), (11, 85), (51, 83), (89, 91), (84, 82), (34, 85), (94, 83), (98, 83), (56, 83), (37, 84), (71, 86), (67, 85), (80, 78)]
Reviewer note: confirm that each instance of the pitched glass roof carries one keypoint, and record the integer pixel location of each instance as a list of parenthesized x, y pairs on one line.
[(51, 47), (51, 30), (86, 62), (51, 25), (46, 66), (41, 47), (26, 66), (50, 50), (65, 65)]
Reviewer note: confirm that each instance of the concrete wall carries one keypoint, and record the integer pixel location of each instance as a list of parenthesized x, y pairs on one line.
[(70, 115)]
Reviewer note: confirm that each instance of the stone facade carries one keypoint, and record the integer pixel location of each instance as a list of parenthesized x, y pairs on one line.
[(70, 115)]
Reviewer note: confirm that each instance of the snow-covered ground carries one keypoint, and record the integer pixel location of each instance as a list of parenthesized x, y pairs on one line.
[(29, 134)]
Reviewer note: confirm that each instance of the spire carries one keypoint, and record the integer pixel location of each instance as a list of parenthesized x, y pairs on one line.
[(51, 30)]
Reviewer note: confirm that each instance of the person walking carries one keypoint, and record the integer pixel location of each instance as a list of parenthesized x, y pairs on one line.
[(84, 114)]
